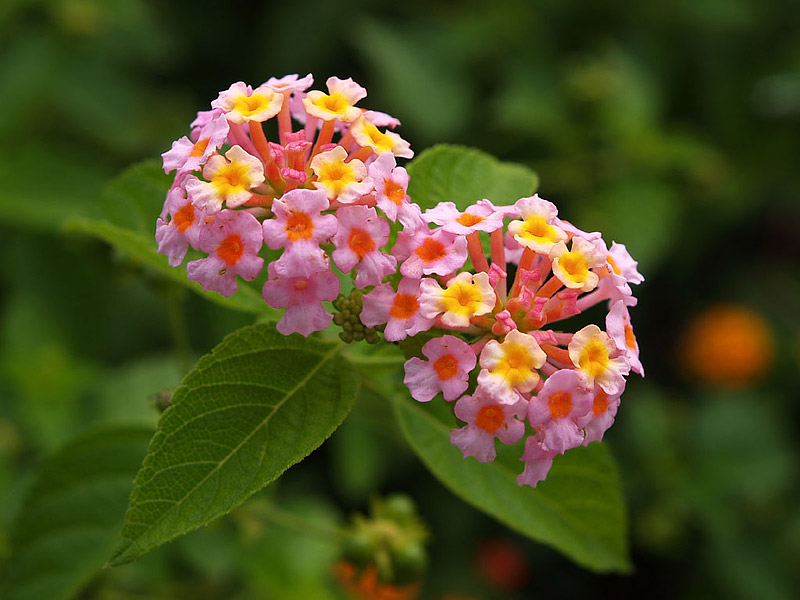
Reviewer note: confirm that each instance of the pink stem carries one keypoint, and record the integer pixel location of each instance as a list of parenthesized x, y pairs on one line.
[(325, 137), (285, 119), (241, 139), (476, 252)]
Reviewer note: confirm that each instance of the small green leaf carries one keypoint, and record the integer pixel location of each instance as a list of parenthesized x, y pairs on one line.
[(259, 403), (465, 175), (578, 509), (72, 513), (125, 217)]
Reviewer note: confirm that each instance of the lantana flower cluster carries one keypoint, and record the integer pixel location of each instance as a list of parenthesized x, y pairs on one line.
[(314, 179), (532, 379), (307, 174)]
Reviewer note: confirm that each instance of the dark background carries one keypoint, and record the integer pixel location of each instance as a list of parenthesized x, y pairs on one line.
[(671, 127)]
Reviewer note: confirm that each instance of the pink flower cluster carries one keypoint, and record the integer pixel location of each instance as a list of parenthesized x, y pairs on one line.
[(322, 190), (562, 389), (327, 177)]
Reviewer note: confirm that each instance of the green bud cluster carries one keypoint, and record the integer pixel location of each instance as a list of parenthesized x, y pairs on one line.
[(348, 317), (392, 538)]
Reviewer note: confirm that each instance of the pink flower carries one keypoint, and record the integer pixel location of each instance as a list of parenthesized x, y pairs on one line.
[(594, 236), (186, 155), (381, 119), (204, 117), (427, 253), (562, 408), (301, 259), (391, 185), (479, 217), (183, 228), (232, 242), (486, 420), (299, 218), (302, 298), (358, 241), (618, 325), (538, 462), (399, 310), (604, 409), (450, 360), (623, 265), (290, 83)]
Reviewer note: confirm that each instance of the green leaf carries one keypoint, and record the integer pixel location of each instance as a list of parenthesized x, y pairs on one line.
[(465, 175), (259, 403), (578, 509), (72, 513), (125, 217)]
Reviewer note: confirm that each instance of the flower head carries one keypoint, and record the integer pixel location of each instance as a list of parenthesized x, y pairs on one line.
[(293, 185), (534, 374)]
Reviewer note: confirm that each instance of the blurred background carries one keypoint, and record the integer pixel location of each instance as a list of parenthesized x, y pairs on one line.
[(672, 127)]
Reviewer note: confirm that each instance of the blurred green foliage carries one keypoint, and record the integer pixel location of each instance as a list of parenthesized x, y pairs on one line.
[(673, 127)]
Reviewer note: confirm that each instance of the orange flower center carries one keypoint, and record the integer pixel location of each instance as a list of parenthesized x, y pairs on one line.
[(360, 242), (394, 191), (184, 218), (231, 249), (468, 220), (446, 366), (431, 250), (404, 306), (299, 226), (600, 402), (630, 339), (560, 405), (199, 147), (490, 418)]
